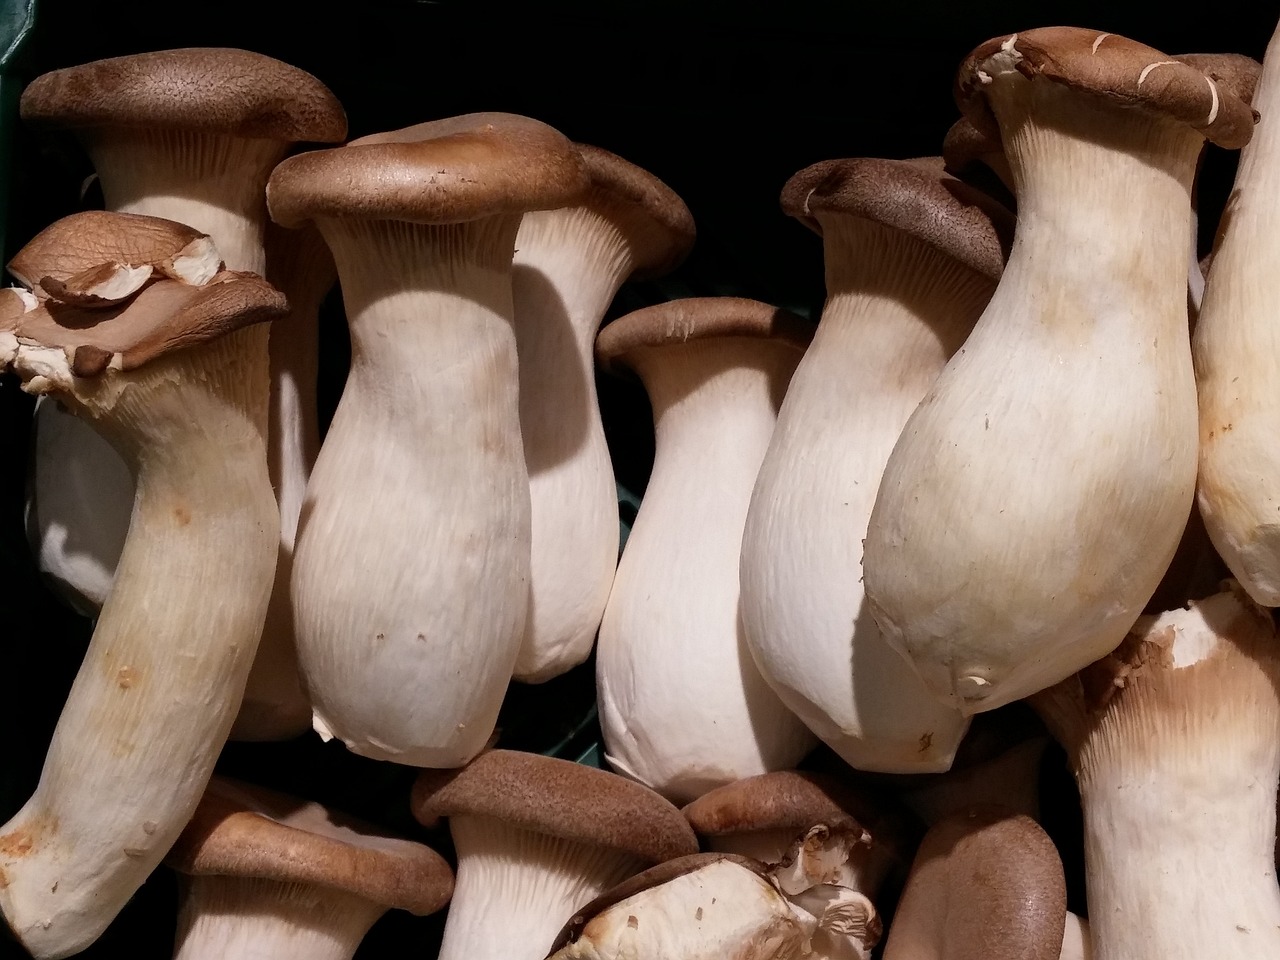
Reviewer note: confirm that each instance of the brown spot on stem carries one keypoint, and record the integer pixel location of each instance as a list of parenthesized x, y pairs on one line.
[(126, 677), (182, 515), (926, 741), (633, 922)]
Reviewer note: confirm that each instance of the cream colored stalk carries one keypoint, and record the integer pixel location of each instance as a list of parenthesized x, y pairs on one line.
[(411, 571), (1237, 356), (163, 675), (683, 708), (189, 135), (1039, 491), (569, 264), (902, 294), (1175, 743)]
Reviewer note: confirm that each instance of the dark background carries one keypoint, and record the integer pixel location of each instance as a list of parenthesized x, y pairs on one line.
[(723, 101)]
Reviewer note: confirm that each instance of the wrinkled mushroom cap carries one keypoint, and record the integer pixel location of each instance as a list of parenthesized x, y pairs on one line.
[(557, 798), (914, 196), (444, 171), (1113, 68), (985, 884), (698, 318), (625, 183), (205, 89), (240, 830)]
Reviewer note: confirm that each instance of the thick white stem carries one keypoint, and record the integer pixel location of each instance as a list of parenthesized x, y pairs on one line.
[(683, 707), (411, 570), (162, 678), (1038, 493), (241, 918), (516, 889), (897, 309), (569, 265)]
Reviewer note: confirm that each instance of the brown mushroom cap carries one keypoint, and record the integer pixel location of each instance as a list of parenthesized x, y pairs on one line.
[(1116, 69), (965, 145), (782, 800), (653, 877), (445, 171), (1234, 73), (985, 884), (81, 241), (914, 196), (205, 89), (240, 830), (698, 318), (559, 799), (625, 183), (165, 317)]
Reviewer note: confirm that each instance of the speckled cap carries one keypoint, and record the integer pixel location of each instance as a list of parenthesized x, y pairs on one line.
[(209, 89), (247, 831), (1111, 67), (668, 242), (653, 877), (557, 798), (444, 171), (914, 196), (985, 885), (698, 318)]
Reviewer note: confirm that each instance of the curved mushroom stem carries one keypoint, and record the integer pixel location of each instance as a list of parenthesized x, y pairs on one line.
[(1175, 743), (225, 918), (580, 255), (516, 888), (162, 678), (412, 562)]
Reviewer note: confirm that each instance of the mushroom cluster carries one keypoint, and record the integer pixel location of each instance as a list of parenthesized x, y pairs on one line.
[(975, 475)]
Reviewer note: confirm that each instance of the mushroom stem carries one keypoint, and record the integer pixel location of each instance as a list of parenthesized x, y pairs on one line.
[(515, 887), (162, 678), (1175, 744), (239, 917), (425, 439)]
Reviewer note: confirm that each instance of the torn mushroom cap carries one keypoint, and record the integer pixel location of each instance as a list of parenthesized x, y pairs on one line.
[(653, 877), (240, 830), (913, 196), (784, 804), (657, 224), (212, 89), (985, 884), (80, 245), (678, 321), (1122, 71), (165, 317), (557, 798), (444, 171)]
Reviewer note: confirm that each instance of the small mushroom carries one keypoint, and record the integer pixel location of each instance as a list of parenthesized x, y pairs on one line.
[(683, 708), (569, 264), (537, 838), (176, 379), (986, 883), (1038, 493), (268, 875), (912, 257), (411, 568)]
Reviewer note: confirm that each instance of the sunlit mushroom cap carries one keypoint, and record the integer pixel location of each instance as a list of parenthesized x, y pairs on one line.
[(207, 89), (557, 798), (914, 196), (1113, 68), (444, 171), (248, 831)]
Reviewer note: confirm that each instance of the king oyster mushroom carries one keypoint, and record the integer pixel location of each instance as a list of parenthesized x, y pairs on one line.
[(569, 264), (268, 875), (1038, 492), (912, 257), (537, 838), (683, 708), (189, 135), (411, 570), (175, 376)]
